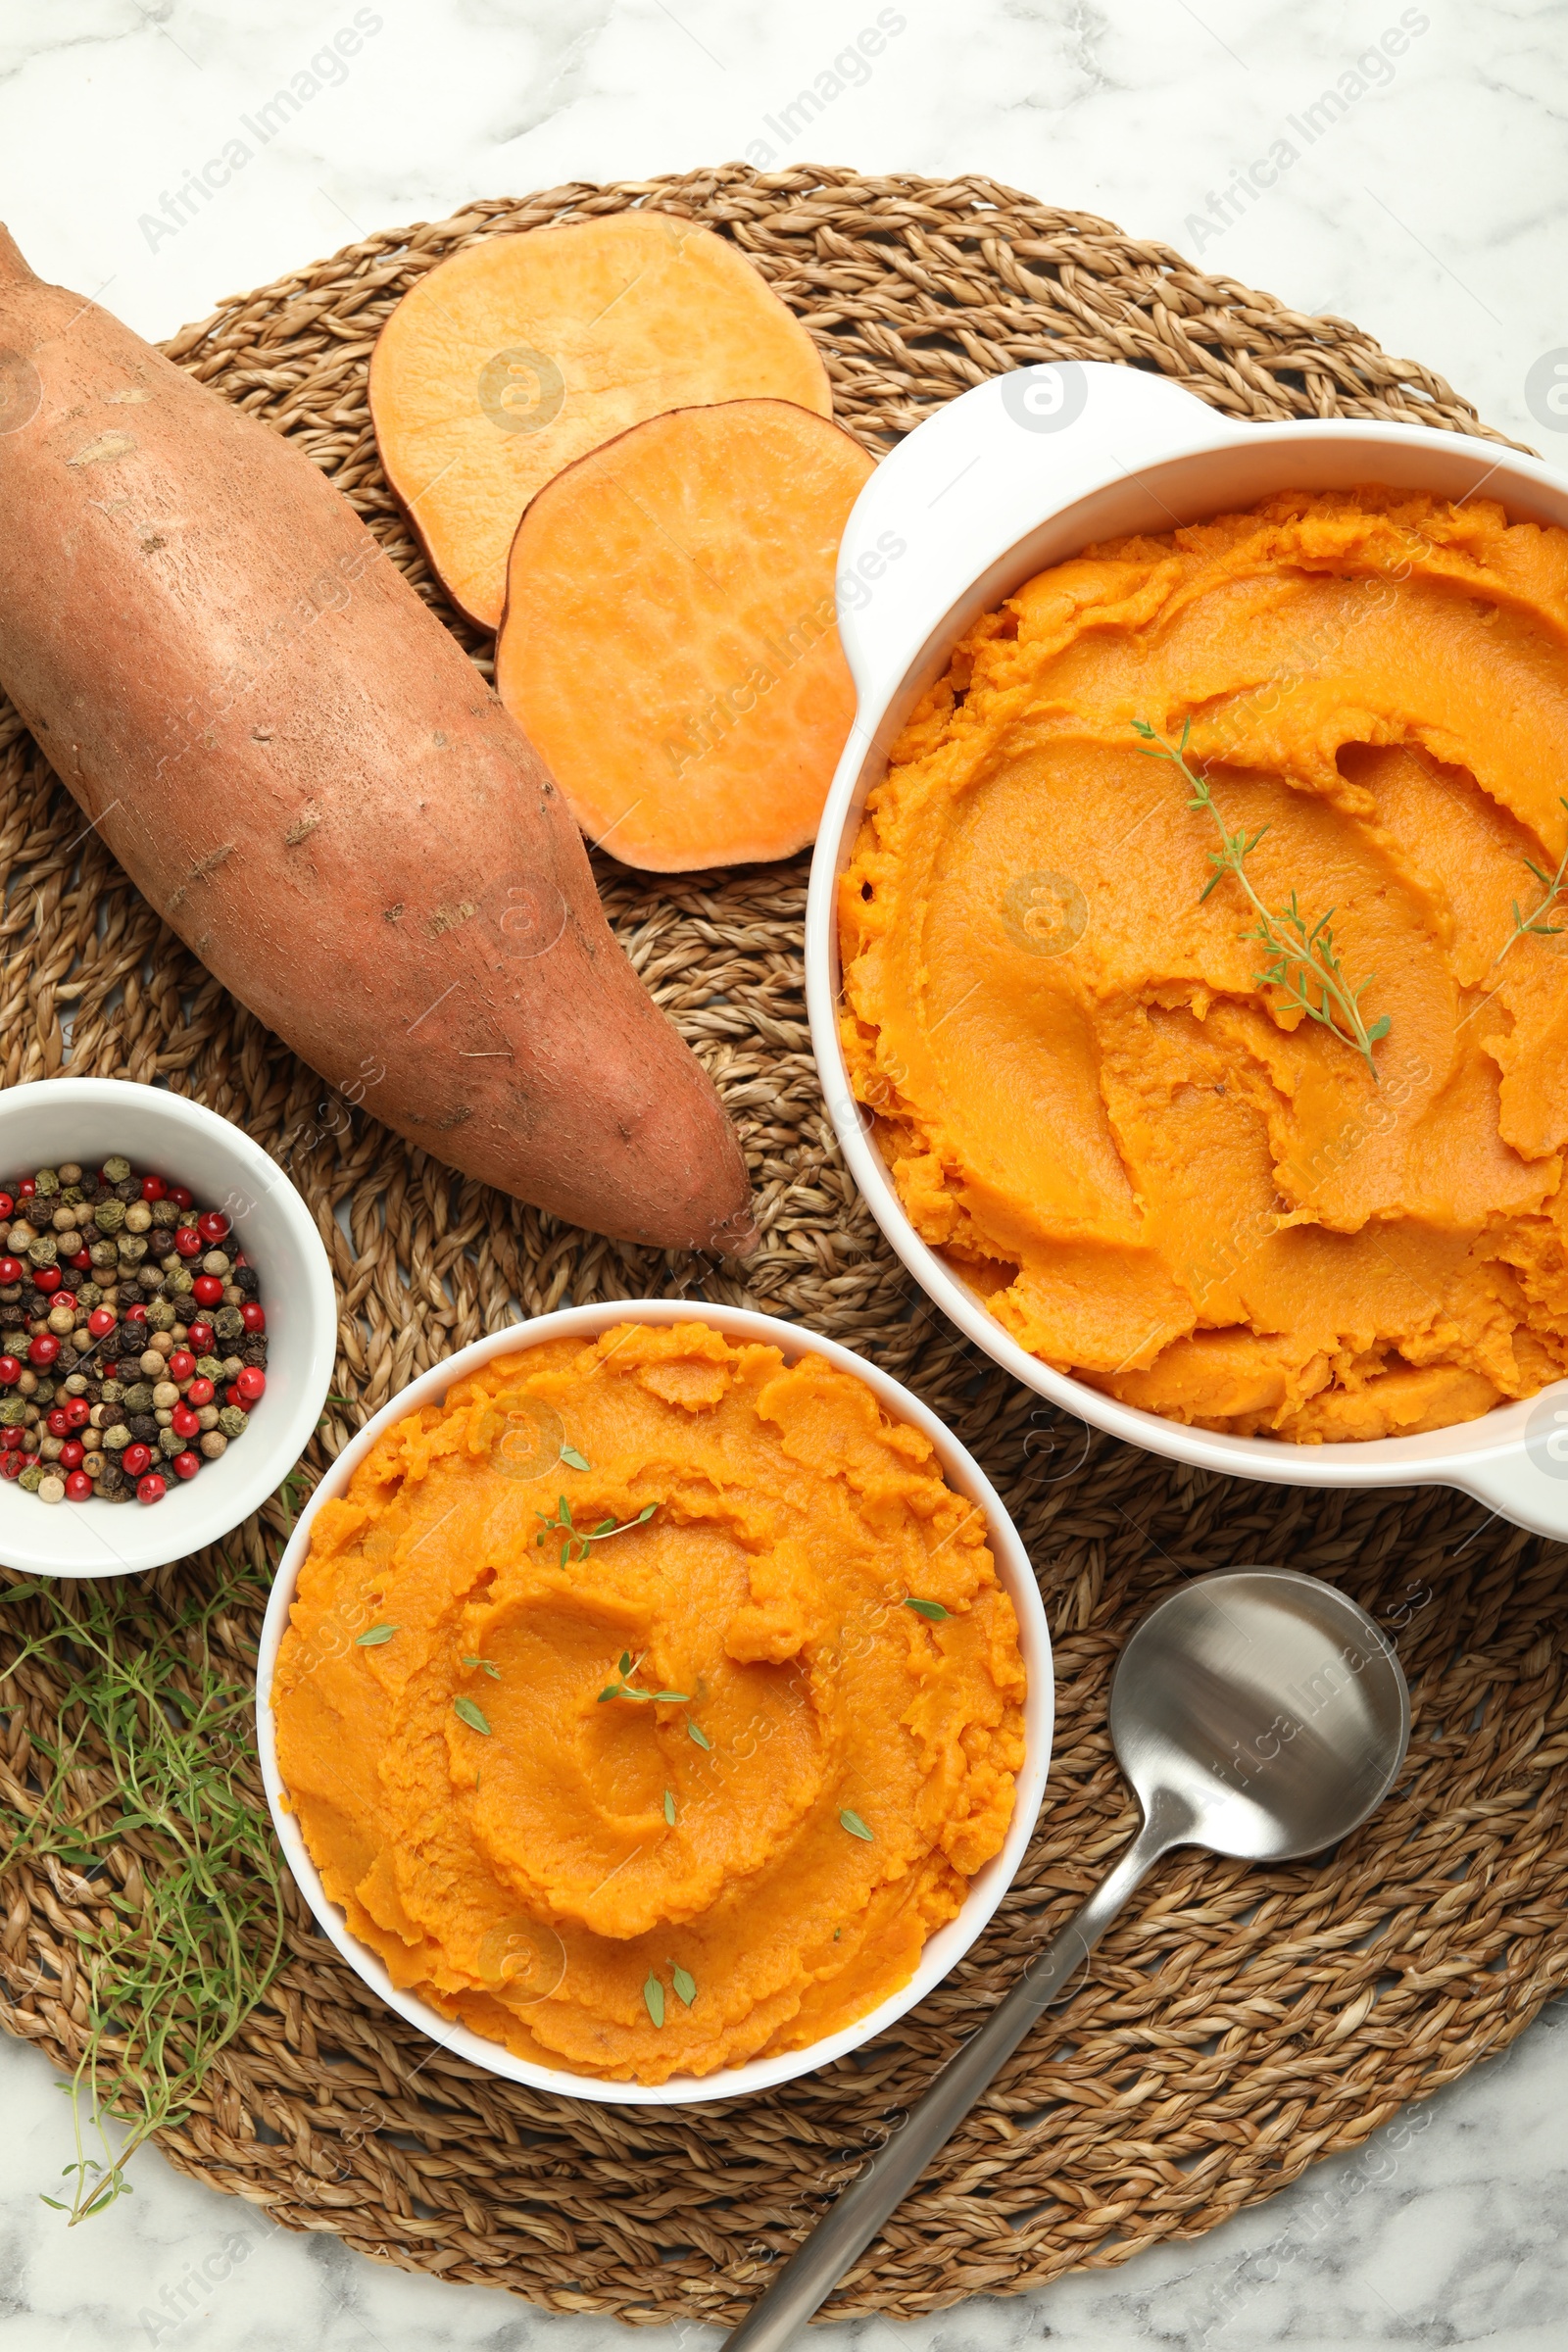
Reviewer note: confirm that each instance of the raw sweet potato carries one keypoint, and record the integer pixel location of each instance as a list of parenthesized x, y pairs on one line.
[(669, 644), (310, 781), (522, 352)]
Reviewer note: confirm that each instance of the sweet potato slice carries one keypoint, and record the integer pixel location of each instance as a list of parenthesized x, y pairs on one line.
[(519, 355), (669, 642)]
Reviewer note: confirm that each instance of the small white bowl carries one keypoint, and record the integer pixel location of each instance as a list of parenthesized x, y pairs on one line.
[(1038, 463), (985, 1888), (85, 1119)]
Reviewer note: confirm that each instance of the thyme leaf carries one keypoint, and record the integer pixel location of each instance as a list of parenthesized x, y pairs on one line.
[(573, 1459), (685, 1983), (855, 1826), (654, 1998), (572, 1534), (669, 1806), (485, 1666), (700, 1737), (1531, 925), (466, 1712), (374, 1635), (1303, 962), (928, 1608)]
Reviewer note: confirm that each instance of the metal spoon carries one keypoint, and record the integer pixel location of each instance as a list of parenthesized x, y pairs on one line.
[(1258, 1713)]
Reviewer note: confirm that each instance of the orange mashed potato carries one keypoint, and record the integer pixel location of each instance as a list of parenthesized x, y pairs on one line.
[(645, 1887), (1162, 1175)]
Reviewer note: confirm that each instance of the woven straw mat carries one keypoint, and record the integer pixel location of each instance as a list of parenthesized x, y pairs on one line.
[(1240, 2022)]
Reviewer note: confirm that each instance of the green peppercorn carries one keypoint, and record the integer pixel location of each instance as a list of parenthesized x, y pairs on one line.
[(43, 1250), (113, 1392), (132, 1248), (117, 1437), (31, 1480), (161, 1315), (168, 1444), (210, 1367), (71, 1197), (109, 1215), (46, 1182), (232, 1421), (228, 1323), (88, 1294), (116, 1169), (179, 1282), (138, 1397), (14, 1412)]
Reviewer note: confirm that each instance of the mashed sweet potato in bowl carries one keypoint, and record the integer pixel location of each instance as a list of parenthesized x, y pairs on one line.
[(654, 1701), (1182, 949)]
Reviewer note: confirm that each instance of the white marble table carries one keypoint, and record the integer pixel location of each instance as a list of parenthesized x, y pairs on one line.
[(1398, 166)]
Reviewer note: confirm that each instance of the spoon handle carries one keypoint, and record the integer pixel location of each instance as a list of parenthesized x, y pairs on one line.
[(849, 2227)]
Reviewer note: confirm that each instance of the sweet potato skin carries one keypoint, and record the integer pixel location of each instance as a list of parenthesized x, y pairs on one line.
[(304, 774)]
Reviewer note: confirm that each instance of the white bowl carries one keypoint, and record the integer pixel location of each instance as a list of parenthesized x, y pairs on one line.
[(84, 1119), (985, 1888), (1018, 474)]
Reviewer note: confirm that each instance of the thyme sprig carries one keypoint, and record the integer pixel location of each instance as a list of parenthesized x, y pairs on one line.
[(1304, 965), (579, 1537), (1532, 926), (626, 1688)]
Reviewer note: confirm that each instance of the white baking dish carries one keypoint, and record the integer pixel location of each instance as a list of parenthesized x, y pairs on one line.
[(1020, 472), (943, 1950)]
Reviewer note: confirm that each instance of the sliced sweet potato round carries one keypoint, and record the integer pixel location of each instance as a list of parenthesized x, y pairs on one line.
[(519, 355), (670, 645)]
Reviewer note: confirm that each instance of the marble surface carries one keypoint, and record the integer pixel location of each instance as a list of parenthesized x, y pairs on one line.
[(1398, 166)]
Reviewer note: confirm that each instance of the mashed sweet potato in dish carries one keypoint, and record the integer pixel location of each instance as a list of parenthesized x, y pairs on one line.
[(608, 1720), (1161, 1172)]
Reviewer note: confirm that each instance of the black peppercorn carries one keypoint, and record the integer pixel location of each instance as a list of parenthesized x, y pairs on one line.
[(143, 1426), (244, 1279), (127, 1192)]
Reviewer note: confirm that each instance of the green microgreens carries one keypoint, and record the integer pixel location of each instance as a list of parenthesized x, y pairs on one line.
[(625, 1689), (374, 1635), (572, 1534), (654, 1998), (928, 1608), (466, 1712), (1304, 965), (855, 1826), (144, 1775), (485, 1666), (1532, 926)]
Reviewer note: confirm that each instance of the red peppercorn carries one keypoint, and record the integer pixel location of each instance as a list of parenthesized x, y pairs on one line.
[(184, 1421), (251, 1385), (151, 1489), (25, 1189), (78, 1485), (136, 1314), (83, 1261), (70, 1453), (102, 1319), (10, 1465), (10, 1270), (10, 1371), (188, 1242), (181, 1364), (79, 1412), (13, 1439), (58, 1426), (253, 1316), (213, 1225), (46, 1278), (43, 1348), (240, 1259), (209, 1290), (186, 1465), (199, 1339), (7, 1204), (152, 1188), (135, 1458), (66, 1298), (200, 1392), (179, 1195)]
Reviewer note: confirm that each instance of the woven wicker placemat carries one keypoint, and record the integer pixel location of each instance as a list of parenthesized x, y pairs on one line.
[(1241, 2022)]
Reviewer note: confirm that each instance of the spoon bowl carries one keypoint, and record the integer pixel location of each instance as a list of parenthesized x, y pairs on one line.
[(1265, 1707)]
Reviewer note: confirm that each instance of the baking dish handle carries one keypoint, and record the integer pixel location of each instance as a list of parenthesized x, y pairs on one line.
[(1529, 1484), (981, 473)]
